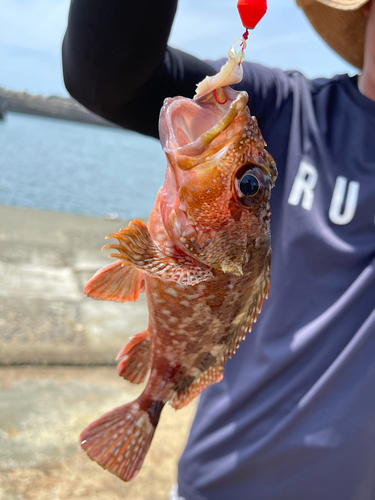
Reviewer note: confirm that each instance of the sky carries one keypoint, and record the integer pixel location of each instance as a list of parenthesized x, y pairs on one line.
[(31, 33)]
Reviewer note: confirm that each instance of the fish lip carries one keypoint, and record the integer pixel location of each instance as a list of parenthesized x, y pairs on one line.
[(171, 116)]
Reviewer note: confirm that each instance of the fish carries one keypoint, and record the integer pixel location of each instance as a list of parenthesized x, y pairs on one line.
[(203, 261)]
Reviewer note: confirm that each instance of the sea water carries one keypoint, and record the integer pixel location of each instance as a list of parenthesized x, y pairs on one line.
[(76, 168)]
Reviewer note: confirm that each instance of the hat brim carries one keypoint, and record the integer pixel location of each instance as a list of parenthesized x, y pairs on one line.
[(342, 30)]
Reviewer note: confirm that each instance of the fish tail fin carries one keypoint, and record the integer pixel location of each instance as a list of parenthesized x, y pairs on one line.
[(137, 352), (119, 440)]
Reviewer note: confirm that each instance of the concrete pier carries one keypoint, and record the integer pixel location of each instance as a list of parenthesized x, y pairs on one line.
[(46, 324), (45, 260)]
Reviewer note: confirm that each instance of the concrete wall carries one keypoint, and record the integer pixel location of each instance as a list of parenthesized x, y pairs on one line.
[(45, 260)]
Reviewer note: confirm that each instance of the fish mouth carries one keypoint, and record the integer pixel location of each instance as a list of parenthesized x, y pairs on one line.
[(188, 127)]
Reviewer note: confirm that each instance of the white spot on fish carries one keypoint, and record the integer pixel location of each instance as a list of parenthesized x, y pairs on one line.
[(171, 292), (216, 350)]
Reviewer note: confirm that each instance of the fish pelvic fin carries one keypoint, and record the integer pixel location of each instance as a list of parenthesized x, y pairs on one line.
[(137, 360), (117, 282), (182, 397), (137, 248), (119, 440)]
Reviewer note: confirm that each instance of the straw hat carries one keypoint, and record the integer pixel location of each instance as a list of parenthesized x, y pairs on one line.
[(341, 23)]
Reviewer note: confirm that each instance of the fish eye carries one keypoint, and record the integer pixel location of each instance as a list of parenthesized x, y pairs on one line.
[(249, 185)]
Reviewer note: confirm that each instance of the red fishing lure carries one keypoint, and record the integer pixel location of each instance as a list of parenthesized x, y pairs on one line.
[(251, 12)]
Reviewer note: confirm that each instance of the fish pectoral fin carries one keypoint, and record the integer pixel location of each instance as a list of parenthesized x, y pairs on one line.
[(116, 282), (212, 375), (137, 360), (137, 249), (119, 440)]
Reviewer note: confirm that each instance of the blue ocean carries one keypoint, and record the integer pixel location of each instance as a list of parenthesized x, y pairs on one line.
[(76, 168)]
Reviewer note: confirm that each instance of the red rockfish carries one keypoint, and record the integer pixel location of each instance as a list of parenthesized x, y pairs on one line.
[(203, 261)]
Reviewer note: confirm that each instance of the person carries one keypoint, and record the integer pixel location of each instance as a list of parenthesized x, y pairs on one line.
[(294, 416)]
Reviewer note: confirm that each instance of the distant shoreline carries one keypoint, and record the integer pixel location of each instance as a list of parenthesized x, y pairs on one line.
[(52, 107)]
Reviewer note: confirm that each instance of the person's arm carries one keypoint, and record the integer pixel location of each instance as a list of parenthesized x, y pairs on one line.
[(116, 61)]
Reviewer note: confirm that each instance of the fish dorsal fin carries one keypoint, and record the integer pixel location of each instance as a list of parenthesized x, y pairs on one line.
[(137, 248), (116, 282), (210, 376), (244, 322), (229, 343)]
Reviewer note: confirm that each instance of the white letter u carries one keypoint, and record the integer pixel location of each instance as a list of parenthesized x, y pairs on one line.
[(335, 214)]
